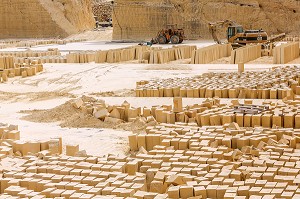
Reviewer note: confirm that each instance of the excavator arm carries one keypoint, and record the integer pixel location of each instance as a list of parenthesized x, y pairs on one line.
[(214, 35), (220, 24)]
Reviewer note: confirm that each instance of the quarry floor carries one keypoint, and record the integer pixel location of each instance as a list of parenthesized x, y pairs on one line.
[(114, 83)]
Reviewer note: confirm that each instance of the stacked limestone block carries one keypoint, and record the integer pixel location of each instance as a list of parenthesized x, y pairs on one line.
[(167, 161), (108, 56), (162, 56), (245, 54), (9, 69), (30, 43), (11, 145), (219, 162), (52, 55), (286, 52), (211, 112), (211, 53), (31, 53), (276, 83)]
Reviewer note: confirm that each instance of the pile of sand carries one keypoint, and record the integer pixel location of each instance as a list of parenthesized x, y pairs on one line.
[(103, 34), (70, 117)]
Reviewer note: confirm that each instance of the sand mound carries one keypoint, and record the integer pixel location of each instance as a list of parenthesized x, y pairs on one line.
[(70, 117), (104, 34)]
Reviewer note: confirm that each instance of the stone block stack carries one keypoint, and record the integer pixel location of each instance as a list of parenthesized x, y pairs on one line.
[(211, 53), (245, 54), (277, 83), (286, 53)]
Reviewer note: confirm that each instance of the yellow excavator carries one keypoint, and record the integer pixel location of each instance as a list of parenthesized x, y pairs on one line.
[(238, 37)]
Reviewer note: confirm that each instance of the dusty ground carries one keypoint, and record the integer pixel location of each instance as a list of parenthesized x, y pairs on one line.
[(262, 60), (103, 34), (296, 61), (39, 104), (223, 60)]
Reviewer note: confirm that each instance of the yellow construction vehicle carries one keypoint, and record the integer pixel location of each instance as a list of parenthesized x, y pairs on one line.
[(238, 37)]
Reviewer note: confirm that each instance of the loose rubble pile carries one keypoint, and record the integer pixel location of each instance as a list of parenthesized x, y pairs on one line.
[(113, 114), (276, 83)]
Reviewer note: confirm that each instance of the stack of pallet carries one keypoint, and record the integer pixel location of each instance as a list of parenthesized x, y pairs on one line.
[(286, 53), (211, 53), (245, 54)]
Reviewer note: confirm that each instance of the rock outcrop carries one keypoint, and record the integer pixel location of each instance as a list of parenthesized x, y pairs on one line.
[(143, 18), (44, 18)]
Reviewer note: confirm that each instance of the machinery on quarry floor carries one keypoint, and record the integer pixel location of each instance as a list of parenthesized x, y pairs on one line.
[(170, 34), (238, 37)]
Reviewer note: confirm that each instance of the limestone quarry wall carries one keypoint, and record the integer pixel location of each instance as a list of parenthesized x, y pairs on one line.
[(44, 18), (141, 19), (102, 10)]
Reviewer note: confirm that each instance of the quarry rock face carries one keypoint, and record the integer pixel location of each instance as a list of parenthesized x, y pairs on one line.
[(142, 19), (44, 18)]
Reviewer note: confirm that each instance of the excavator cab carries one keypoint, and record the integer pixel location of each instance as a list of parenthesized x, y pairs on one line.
[(233, 30)]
